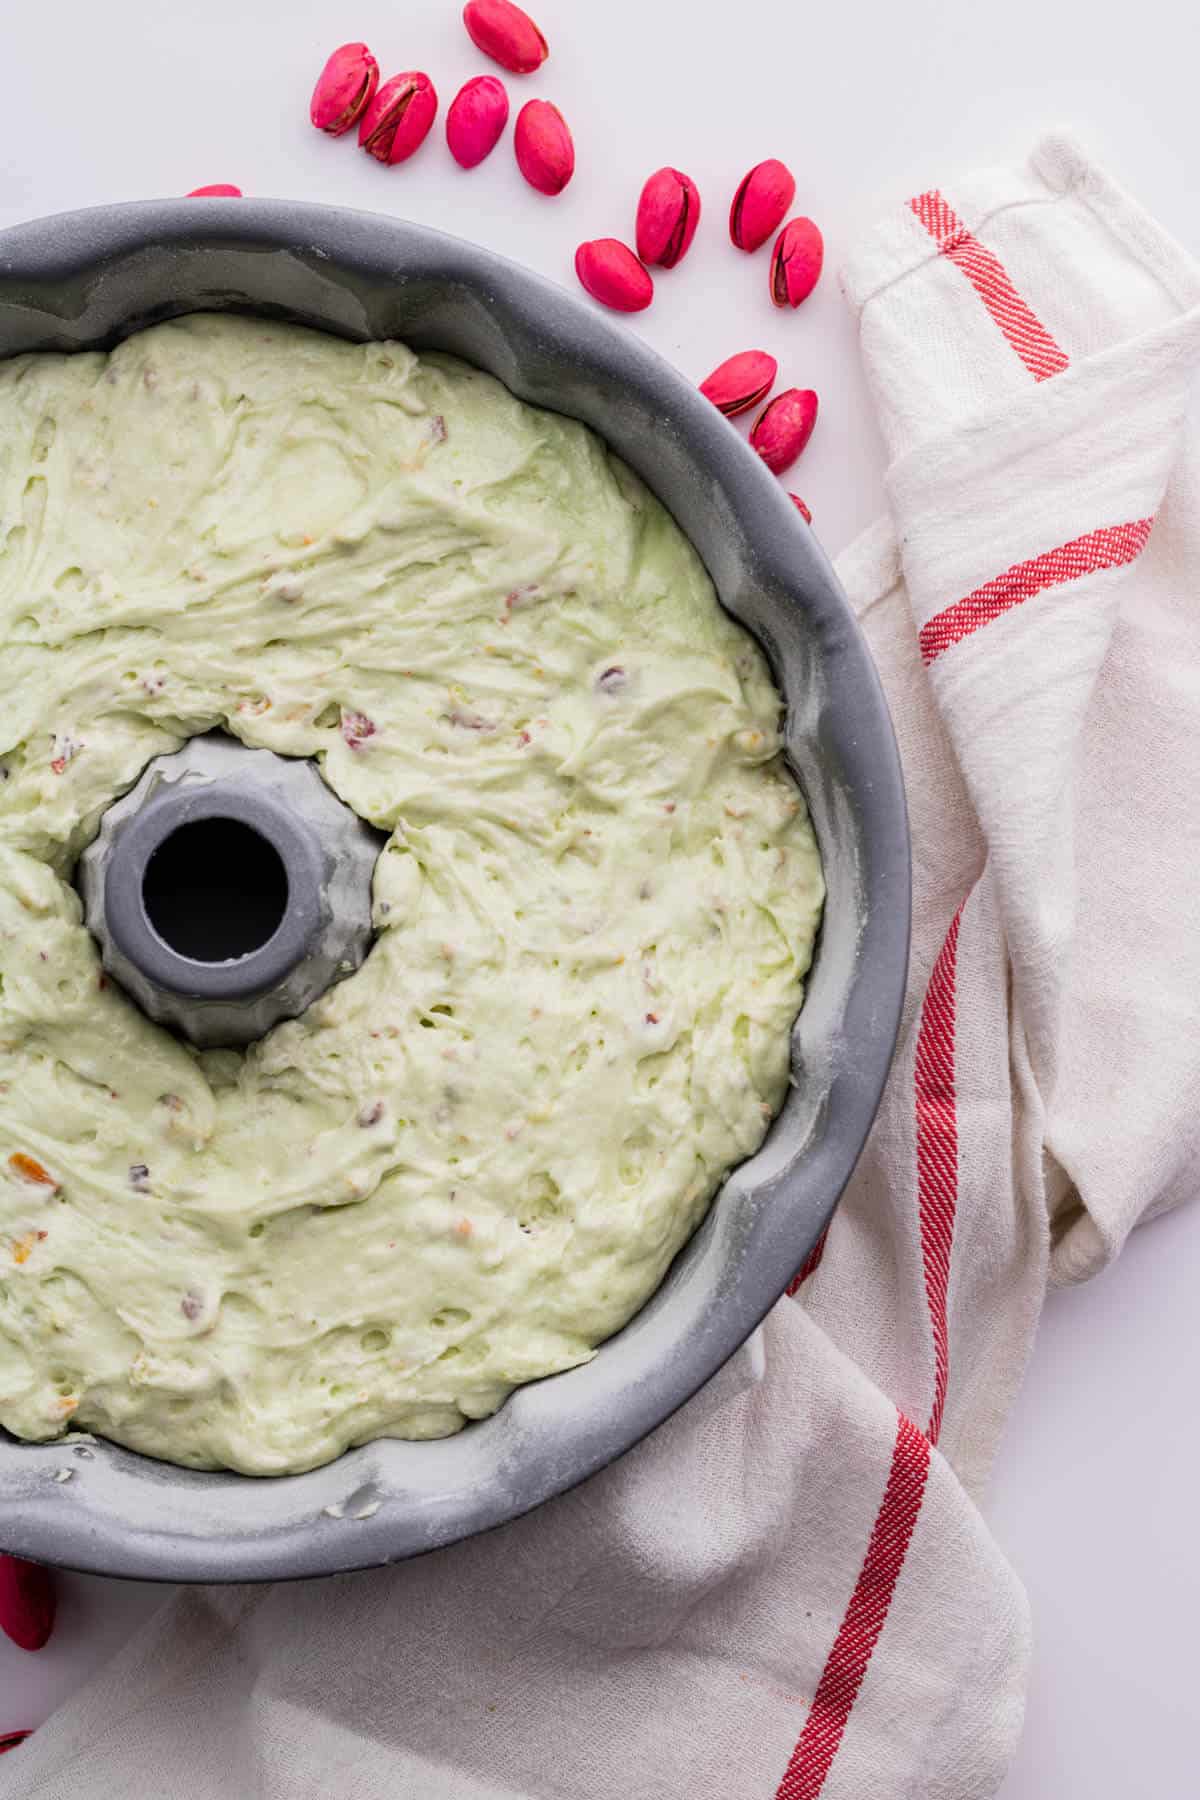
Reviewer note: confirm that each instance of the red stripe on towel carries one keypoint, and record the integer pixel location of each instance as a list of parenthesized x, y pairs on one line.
[(810, 1265), (937, 1154), (937, 1199), (1108, 548), (847, 1662), (1020, 325)]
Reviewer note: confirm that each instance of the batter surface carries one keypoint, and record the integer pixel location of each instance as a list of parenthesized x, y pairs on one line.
[(473, 1159)]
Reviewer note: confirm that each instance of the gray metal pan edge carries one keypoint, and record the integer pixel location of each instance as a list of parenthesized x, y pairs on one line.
[(87, 279)]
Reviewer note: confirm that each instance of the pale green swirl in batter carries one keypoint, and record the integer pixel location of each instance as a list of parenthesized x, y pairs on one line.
[(474, 1159)]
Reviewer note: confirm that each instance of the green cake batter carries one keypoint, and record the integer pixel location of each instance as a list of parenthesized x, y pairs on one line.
[(472, 1160)]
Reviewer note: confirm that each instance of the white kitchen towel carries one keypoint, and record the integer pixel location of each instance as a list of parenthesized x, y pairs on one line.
[(788, 1591)]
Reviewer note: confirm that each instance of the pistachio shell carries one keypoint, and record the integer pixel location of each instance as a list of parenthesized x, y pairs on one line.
[(741, 381), (506, 34), (612, 274), (217, 190), (477, 116), (760, 203), (801, 508), (27, 1602), (344, 89), (398, 119), (667, 216), (796, 262), (544, 149), (783, 428)]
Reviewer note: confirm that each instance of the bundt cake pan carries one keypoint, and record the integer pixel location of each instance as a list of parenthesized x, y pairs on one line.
[(84, 280)]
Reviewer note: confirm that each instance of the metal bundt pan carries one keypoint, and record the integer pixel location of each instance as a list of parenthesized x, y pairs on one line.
[(85, 280)]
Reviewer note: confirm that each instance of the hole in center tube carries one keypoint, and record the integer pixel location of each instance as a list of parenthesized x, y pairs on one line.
[(215, 890)]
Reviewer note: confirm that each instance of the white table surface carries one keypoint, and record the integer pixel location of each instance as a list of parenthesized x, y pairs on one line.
[(870, 103)]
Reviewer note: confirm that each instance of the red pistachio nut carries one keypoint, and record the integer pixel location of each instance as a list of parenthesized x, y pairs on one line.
[(10, 1739), (801, 508), (544, 148), (782, 429), (218, 190), (741, 381), (478, 114), (612, 274), (667, 216), (344, 89), (796, 262), (506, 34), (760, 204), (26, 1602), (398, 119)]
